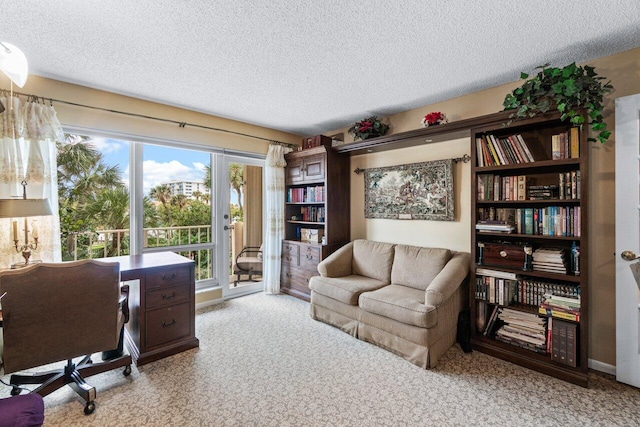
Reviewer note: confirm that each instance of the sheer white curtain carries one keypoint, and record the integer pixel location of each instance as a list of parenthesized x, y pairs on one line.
[(29, 131), (274, 177)]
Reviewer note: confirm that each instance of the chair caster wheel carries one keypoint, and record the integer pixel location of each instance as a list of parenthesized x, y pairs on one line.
[(89, 408), (15, 390), (127, 371)]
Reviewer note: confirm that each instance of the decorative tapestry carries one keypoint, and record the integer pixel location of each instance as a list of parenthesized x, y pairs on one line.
[(413, 191)]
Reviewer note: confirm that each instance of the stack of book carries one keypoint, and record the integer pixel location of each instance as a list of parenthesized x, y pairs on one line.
[(526, 330), (551, 260), (560, 307), (495, 226), (542, 192)]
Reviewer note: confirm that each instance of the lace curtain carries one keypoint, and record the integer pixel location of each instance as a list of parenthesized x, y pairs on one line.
[(274, 177), (29, 131)]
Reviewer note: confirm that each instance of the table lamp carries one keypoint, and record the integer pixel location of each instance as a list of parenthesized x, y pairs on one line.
[(24, 208)]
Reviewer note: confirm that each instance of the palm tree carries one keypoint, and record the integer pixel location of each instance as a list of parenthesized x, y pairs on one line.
[(163, 194), (82, 172), (236, 180), (179, 200), (111, 209), (197, 195)]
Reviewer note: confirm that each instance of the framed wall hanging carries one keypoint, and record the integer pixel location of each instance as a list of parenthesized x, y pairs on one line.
[(414, 191)]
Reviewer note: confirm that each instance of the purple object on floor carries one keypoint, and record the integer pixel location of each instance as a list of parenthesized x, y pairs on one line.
[(22, 411)]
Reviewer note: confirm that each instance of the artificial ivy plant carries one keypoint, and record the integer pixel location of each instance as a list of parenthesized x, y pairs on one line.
[(569, 90)]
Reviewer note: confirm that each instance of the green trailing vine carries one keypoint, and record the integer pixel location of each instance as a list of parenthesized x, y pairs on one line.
[(569, 90)]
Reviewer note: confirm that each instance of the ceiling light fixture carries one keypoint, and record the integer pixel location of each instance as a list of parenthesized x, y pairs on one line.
[(13, 63)]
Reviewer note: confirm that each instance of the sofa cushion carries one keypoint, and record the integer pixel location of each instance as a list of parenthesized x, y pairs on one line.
[(416, 267), (400, 303), (372, 259), (345, 289)]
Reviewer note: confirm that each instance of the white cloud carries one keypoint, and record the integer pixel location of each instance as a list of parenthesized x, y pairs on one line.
[(156, 173), (107, 145), (199, 166)]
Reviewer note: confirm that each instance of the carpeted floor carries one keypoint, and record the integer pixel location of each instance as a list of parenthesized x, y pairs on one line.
[(263, 361)]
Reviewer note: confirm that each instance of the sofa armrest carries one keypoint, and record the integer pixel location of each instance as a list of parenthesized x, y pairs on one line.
[(448, 280), (338, 264)]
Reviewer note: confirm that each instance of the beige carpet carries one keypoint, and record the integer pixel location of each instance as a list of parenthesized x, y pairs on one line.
[(263, 361)]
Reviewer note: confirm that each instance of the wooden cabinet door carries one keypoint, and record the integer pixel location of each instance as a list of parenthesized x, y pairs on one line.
[(294, 171), (314, 168)]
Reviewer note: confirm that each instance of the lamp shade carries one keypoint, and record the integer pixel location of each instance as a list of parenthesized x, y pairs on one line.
[(13, 63), (19, 208)]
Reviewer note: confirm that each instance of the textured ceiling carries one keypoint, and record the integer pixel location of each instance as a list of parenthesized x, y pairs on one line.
[(306, 66)]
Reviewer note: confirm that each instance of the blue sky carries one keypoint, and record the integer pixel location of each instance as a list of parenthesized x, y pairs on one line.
[(160, 164)]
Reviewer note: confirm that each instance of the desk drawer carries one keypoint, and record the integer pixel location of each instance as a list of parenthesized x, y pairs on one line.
[(310, 258), (168, 324), (168, 277), (168, 296), (290, 254)]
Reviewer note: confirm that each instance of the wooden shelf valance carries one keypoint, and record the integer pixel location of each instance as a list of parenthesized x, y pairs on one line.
[(431, 134)]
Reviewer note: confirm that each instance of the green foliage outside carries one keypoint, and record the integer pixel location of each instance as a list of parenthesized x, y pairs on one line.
[(92, 198)]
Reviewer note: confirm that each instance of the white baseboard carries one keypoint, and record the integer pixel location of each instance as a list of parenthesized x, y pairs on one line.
[(602, 367)]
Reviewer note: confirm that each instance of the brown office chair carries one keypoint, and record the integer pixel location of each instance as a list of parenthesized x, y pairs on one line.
[(59, 311)]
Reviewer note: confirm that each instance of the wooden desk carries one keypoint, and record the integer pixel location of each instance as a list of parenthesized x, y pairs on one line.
[(161, 304)]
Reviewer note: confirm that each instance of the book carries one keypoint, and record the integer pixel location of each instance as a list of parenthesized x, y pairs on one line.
[(522, 187), (492, 150), (528, 221), (555, 147), (495, 273), (574, 142), (479, 153), (491, 323), (558, 314), (571, 334)]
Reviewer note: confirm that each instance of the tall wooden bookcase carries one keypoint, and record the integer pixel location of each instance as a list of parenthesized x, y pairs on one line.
[(538, 133), (317, 202)]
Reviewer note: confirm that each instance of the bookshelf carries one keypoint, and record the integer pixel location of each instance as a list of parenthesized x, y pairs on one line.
[(317, 207), (529, 235)]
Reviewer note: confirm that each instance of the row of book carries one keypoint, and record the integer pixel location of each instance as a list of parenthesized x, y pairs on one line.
[(522, 290), (492, 150), (548, 221), (565, 145), (306, 194), (521, 187), (312, 213)]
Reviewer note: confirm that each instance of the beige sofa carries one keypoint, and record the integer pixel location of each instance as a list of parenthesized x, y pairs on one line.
[(405, 299)]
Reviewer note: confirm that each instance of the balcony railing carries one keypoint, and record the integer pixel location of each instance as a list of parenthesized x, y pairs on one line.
[(111, 243)]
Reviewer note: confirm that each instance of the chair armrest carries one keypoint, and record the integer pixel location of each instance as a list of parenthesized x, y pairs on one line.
[(338, 264), (123, 302), (449, 279)]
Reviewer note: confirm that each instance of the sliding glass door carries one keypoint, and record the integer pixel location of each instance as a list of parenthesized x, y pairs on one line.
[(241, 226)]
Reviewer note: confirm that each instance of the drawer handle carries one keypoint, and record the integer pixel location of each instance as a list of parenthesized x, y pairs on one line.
[(165, 296), (173, 276), (288, 275), (309, 256), (288, 258), (168, 325)]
